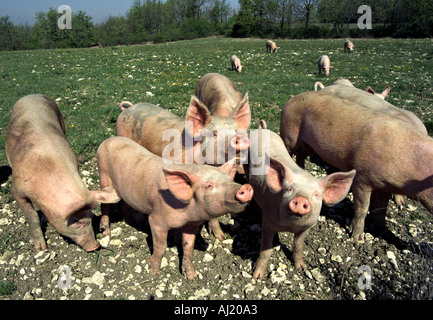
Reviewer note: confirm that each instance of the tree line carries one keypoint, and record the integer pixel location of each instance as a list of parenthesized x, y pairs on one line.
[(171, 20)]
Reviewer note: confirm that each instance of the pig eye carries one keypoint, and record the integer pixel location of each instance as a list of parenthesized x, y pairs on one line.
[(290, 189), (316, 194), (215, 133)]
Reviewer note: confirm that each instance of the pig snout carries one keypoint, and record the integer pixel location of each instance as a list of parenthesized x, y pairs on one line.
[(240, 142), (245, 193), (300, 205)]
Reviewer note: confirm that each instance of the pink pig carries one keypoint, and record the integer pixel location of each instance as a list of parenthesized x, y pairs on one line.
[(45, 172), (173, 196), (349, 136), (236, 63), (324, 64), (290, 199)]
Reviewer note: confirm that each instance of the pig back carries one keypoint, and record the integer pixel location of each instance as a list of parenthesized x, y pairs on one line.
[(145, 123), (218, 93), (44, 166), (369, 100)]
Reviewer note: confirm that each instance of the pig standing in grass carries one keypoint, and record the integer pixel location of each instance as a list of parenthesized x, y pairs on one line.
[(45, 172), (236, 63), (388, 154), (173, 196), (219, 94), (291, 199), (324, 64), (348, 46), (271, 46)]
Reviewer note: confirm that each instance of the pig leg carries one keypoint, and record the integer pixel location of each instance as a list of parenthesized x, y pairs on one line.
[(215, 229), (265, 251), (361, 202), (298, 249), (188, 240), (304, 152), (32, 219), (380, 201), (159, 238)]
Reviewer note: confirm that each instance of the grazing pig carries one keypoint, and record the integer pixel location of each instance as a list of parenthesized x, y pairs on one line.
[(291, 199), (324, 64), (388, 154), (45, 173), (173, 196), (348, 46), (381, 95), (271, 46), (236, 63), (219, 94)]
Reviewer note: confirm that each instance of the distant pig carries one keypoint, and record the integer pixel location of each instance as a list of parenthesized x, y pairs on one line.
[(45, 173), (388, 154), (348, 46), (271, 46), (291, 199), (324, 64), (173, 196), (236, 63)]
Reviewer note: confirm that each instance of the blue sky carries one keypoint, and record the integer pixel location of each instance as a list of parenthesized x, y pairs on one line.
[(22, 11)]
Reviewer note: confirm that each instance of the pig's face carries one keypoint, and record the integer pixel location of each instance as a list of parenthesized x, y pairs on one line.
[(78, 227), (211, 189), (302, 194), (221, 138)]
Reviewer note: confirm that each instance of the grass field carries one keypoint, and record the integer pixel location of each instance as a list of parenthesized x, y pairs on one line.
[(89, 83)]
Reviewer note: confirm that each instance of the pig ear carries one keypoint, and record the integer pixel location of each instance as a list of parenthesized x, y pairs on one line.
[(230, 167), (385, 92), (370, 90), (242, 113), (197, 116), (276, 173), (336, 186), (179, 183), (106, 195)]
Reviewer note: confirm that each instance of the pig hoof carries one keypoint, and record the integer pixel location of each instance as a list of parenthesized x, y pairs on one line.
[(191, 275), (258, 275), (300, 265)]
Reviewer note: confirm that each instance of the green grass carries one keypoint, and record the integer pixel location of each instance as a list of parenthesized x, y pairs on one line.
[(89, 83)]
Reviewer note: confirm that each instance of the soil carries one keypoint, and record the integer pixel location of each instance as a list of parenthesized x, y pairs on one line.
[(396, 266)]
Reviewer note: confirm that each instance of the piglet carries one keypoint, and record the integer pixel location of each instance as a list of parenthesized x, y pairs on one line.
[(348, 46), (389, 155), (271, 46), (45, 173), (236, 63), (324, 64), (173, 196), (290, 197)]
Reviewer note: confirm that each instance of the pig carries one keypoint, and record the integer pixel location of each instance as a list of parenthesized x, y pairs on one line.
[(290, 199), (45, 173), (324, 64), (348, 46), (173, 196), (146, 123), (381, 95), (219, 94), (271, 46), (236, 63), (349, 136)]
